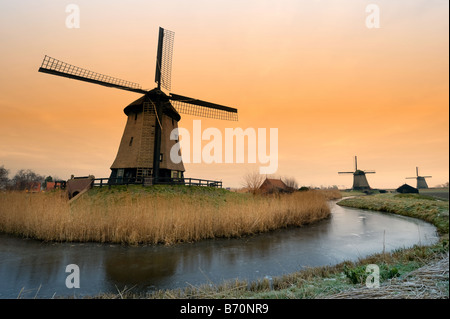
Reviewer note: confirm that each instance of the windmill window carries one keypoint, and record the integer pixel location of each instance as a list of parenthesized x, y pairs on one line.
[(176, 174), (135, 117), (131, 141), (161, 157)]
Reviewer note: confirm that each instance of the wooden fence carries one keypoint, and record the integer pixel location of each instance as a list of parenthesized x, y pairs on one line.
[(102, 182)]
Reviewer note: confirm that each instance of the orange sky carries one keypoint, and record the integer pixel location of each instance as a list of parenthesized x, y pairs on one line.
[(312, 69)]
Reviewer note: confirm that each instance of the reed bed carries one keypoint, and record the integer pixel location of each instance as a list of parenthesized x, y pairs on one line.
[(151, 218)]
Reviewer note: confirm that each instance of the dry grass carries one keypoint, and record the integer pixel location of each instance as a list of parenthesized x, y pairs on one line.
[(150, 218), (330, 194), (427, 282)]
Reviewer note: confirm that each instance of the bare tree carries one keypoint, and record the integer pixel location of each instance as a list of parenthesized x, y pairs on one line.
[(252, 181), (290, 182), (25, 178), (4, 180)]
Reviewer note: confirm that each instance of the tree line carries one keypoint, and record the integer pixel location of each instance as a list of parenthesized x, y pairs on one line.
[(24, 179)]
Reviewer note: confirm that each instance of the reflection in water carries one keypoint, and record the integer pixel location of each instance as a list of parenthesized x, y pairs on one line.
[(347, 235), (139, 266)]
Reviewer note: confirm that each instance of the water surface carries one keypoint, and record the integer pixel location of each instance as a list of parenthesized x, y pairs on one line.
[(33, 268)]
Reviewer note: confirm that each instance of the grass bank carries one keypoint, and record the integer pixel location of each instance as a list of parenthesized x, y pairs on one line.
[(338, 280), (157, 214), (418, 206)]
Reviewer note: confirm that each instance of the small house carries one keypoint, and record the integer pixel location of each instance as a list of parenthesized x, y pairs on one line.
[(407, 189), (270, 186)]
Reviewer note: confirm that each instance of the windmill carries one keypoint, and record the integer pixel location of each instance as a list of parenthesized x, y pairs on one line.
[(145, 145), (421, 182), (359, 177)]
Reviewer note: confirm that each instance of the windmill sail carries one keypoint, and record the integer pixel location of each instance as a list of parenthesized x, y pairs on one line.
[(57, 67), (190, 106), (163, 71)]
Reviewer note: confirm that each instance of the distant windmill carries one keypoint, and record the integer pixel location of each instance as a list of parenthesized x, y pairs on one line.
[(144, 150), (359, 177), (421, 182)]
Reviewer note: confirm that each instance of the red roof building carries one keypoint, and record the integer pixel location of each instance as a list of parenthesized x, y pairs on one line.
[(270, 186)]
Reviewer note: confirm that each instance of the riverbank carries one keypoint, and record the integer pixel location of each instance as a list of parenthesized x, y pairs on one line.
[(419, 206), (404, 273), (156, 215)]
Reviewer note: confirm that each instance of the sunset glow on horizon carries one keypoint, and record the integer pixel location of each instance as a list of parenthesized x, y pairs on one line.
[(333, 87)]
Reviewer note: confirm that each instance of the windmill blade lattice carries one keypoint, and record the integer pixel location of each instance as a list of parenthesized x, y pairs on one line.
[(190, 106), (57, 67), (163, 73)]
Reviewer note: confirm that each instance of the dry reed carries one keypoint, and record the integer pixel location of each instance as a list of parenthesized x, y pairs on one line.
[(143, 218)]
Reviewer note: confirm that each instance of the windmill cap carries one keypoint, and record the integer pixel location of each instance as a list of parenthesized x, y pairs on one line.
[(155, 94)]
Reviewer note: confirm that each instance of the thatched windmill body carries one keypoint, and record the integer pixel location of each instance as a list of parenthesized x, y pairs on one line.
[(421, 182), (359, 177), (145, 146)]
